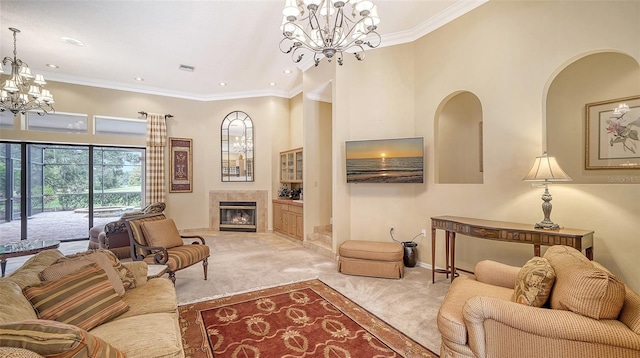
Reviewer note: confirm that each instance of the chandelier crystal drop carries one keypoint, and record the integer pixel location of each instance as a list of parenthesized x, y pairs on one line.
[(22, 91), (327, 31)]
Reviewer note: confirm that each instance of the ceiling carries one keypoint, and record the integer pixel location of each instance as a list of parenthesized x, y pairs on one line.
[(235, 42)]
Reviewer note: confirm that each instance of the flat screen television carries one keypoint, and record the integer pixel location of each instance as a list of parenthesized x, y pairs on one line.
[(398, 160)]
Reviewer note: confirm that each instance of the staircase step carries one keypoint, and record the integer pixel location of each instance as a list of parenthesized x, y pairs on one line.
[(324, 229), (319, 237), (319, 246)]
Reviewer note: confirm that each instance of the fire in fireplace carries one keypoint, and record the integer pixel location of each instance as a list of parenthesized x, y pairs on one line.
[(238, 216)]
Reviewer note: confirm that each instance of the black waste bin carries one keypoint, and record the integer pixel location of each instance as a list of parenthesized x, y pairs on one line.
[(409, 253)]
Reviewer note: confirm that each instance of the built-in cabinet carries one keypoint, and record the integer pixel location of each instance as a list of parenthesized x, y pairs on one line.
[(287, 218), (291, 166)]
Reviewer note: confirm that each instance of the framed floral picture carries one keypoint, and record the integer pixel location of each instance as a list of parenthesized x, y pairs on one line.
[(612, 134), (181, 168)]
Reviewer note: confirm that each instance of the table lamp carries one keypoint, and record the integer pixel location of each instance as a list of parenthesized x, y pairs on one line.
[(546, 169)]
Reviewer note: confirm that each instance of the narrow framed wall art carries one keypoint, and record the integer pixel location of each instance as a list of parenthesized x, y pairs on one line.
[(612, 140), (181, 167)]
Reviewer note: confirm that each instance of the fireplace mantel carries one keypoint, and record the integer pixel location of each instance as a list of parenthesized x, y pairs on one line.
[(259, 196)]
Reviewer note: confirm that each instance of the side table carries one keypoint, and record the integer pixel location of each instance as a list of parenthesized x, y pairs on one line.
[(155, 271)]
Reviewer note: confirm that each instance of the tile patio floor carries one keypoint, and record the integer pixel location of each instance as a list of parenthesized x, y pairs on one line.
[(60, 225)]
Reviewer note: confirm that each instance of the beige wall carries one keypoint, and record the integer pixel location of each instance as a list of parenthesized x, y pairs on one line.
[(374, 100), (192, 119), (507, 54), (316, 148), (296, 111), (325, 185)]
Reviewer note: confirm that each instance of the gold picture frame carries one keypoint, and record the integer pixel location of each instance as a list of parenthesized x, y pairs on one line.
[(181, 167), (611, 134)]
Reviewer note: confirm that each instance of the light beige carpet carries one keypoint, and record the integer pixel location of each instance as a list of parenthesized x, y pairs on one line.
[(242, 262)]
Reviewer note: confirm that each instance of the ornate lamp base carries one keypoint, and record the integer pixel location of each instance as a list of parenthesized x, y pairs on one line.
[(549, 225), (546, 223)]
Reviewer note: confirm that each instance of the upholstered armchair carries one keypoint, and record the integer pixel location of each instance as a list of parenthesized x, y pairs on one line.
[(155, 239), (559, 305)]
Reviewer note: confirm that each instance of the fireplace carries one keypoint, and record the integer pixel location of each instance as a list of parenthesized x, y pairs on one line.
[(238, 216), (260, 197)]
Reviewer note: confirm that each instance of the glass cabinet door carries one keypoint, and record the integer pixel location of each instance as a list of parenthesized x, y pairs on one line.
[(299, 165), (283, 167), (290, 166)]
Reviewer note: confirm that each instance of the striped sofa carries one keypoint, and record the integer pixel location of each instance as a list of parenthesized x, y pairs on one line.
[(588, 312), (146, 324)]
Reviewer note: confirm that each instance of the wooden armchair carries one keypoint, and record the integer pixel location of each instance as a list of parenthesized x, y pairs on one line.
[(155, 240)]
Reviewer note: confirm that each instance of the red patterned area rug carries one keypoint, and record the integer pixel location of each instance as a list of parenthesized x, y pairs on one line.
[(305, 319)]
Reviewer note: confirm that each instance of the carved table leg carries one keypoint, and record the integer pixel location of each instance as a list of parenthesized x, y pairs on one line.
[(453, 256), (433, 255)]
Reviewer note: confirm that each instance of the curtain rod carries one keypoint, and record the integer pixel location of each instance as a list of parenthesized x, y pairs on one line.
[(165, 116)]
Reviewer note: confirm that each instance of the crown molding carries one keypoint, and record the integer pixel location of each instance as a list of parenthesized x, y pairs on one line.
[(442, 18), (170, 93)]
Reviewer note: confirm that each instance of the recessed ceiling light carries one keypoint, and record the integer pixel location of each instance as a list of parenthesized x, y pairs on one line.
[(139, 79), (287, 71), (222, 84), (72, 41), (272, 83), (50, 65)]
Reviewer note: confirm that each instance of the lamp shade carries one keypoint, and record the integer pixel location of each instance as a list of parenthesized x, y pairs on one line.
[(546, 168)]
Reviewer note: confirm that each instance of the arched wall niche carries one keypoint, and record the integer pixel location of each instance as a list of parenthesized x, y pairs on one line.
[(458, 139), (590, 78)]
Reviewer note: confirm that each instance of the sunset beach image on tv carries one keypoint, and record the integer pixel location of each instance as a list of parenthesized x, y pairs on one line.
[(385, 161)]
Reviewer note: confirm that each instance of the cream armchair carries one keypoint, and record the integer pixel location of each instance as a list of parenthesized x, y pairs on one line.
[(479, 318)]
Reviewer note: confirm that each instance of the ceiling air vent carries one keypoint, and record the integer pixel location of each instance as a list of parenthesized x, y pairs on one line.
[(187, 68)]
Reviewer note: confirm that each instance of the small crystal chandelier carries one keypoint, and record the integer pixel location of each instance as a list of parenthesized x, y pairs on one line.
[(18, 94), (326, 31)]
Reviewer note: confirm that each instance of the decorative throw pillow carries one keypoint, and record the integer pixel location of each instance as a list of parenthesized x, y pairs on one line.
[(131, 213), (534, 282), (594, 293), (85, 298), (126, 276), (582, 287), (153, 208), (9, 352), (70, 264), (163, 233), (13, 305), (55, 339), (135, 227)]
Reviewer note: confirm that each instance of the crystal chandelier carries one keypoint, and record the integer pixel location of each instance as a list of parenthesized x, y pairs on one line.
[(326, 30), (22, 92)]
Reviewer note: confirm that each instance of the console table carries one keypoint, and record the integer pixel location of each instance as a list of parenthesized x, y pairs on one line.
[(501, 231)]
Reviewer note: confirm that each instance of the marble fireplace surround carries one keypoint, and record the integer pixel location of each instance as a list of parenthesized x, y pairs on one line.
[(259, 196)]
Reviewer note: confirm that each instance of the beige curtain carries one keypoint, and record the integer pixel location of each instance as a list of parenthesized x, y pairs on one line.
[(156, 141)]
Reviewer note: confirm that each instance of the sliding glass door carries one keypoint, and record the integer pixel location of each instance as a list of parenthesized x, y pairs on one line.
[(66, 189), (117, 182)]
